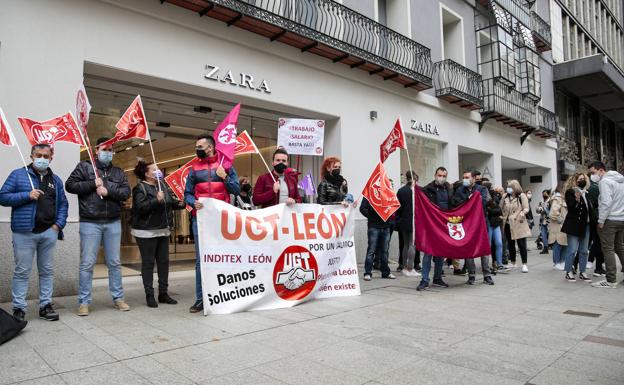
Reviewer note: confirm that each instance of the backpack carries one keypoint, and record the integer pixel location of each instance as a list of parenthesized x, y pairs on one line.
[(9, 326)]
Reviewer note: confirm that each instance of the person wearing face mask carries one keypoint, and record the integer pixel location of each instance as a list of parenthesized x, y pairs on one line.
[(556, 238), (206, 179), (515, 206), (529, 216), (152, 221), (576, 226), (333, 188), (409, 257), (543, 209), (596, 257), (279, 186), (610, 220), (243, 200), (38, 216), (100, 198), (462, 195)]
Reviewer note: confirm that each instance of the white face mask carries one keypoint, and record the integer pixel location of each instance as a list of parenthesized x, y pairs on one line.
[(529, 195), (595, 178), (509, 190), (557, 194)]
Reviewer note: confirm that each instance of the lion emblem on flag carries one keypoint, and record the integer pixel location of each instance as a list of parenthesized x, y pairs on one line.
[(456, 228)]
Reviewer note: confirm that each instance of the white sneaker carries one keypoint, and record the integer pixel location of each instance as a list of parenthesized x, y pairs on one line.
[(411, 273), (589, 265), (367, 277), (390, 276), (604, 284), (511, 265), (525, 269), (560, 266)]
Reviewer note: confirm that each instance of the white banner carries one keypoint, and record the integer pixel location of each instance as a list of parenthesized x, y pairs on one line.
[(275, 257), (301, 136)]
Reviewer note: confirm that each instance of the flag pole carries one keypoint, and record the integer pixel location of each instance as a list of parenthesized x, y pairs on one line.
[(149, 139), (409, 161), (87, 143), (12, 138), (264, 161)]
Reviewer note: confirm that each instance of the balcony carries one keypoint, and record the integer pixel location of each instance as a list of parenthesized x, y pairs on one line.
[(541, 33), (546, 124), (457, 84), (329, 29), (517, 8)]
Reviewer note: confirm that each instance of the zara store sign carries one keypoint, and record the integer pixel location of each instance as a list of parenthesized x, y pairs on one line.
[(244, 80), (427, 128)]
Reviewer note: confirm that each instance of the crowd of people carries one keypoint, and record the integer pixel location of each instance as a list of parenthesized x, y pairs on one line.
[(582, 222)]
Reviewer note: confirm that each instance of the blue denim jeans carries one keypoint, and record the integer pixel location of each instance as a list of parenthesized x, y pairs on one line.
[(544, 232), (558, 254), (198, 279), (92, 236), (378, 243), (494, 233), (580, 244), (426, 267), (25, 246)]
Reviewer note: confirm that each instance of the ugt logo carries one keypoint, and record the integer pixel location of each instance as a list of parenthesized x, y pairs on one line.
[(295, 273), (228, 134), (456, 228), (48, 133)]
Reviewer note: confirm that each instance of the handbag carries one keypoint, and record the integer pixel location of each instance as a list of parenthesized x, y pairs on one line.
[(9, 326)]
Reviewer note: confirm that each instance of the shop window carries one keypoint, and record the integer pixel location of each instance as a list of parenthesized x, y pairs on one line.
[(425, 154)]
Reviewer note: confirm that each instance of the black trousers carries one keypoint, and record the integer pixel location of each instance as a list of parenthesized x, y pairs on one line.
[(595, 248), (522, 245), (154, 251)]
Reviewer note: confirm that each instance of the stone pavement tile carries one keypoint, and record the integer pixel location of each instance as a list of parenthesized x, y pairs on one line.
[(155, 372), (243, 377), (41, 333), (592, 367), (335, 327), (559, 316), (452, 321), (554, 376), (19, 362), (48, 380), (568, 328), (284, 338), (285, 316), (428, 333), (533, 338), (151, 340), (598, 351), (235, 324), (70, 355), (325, 307), (400, 343), (115, 373), (357, 358), (295, 372), (609, 332), (431, 372)]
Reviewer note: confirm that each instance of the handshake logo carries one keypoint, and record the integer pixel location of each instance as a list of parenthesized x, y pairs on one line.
[(295, 273)]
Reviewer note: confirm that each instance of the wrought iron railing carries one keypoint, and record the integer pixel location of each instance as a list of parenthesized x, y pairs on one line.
[(518, 9), (452, 78), (501, 99), (547, 121), (541, 28), (340, 27)]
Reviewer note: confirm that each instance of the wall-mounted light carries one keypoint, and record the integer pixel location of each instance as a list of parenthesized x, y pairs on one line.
[(373, 115)]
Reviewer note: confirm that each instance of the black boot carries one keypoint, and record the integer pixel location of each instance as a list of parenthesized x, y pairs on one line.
[(164, 298), (151, 301)]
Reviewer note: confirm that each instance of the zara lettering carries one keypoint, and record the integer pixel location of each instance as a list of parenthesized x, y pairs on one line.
[(244, 80)]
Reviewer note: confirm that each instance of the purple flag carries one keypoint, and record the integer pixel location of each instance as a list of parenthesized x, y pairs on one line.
[(307, 184)]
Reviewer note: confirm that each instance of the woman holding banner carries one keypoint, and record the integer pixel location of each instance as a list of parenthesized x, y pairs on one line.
[(152, 220), (333, 189)]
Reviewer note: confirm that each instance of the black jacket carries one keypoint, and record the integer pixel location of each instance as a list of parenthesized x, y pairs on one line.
[(150, 214), (92, 208), (435, 192), (330, 193), (494, 214), (405, 213), (576, 221), (374, 220)]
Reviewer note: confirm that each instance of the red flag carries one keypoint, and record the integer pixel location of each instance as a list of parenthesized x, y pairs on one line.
[(244, 145), (177, 179), (60, 129), (378, 191), (459, 233), (395, 140), (6, 134), (225, 137), (132, 124)]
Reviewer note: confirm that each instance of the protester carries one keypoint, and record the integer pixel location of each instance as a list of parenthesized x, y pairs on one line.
[(206, 179), (529, 216), (278, 186), (610, 219), (495, 221), (440, 193), (333, 188), (405, 217), (558, 239), (38, 216), (515, 206), (100, 198), (244, 199), (576, 225), (596, 257), (543, 209), (460, 196), (378, 242), (152, 221)]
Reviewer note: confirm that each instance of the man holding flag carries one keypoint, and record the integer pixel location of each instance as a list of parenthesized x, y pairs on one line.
[(100, 198), (279, 185)]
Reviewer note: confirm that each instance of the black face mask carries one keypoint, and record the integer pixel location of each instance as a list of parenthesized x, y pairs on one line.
[(582, 183), (280, 168), (545, 197), (201, 154), (246, 188), (335, 172)]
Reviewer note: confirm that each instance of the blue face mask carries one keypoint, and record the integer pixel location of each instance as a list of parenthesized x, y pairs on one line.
[(466, 182), (41, 164), (105, 156)]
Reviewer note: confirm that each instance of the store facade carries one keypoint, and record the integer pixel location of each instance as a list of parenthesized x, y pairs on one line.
[(190, 71)]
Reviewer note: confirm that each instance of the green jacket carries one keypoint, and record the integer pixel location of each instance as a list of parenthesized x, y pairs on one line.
[(593, 194)]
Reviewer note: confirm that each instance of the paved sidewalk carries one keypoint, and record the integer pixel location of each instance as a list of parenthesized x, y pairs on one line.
[(516, 333)]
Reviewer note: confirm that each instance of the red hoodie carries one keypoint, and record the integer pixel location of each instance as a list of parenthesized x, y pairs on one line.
[(263, 194)]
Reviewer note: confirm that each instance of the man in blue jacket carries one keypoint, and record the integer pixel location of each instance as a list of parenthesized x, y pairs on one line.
[(38, 216)]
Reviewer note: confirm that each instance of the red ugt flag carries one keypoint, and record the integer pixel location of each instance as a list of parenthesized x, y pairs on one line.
[(460, 233), (244, 145), (60, 129), (225, 137), (132, 124), (378, 191), (6, 135), (395, 140)]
